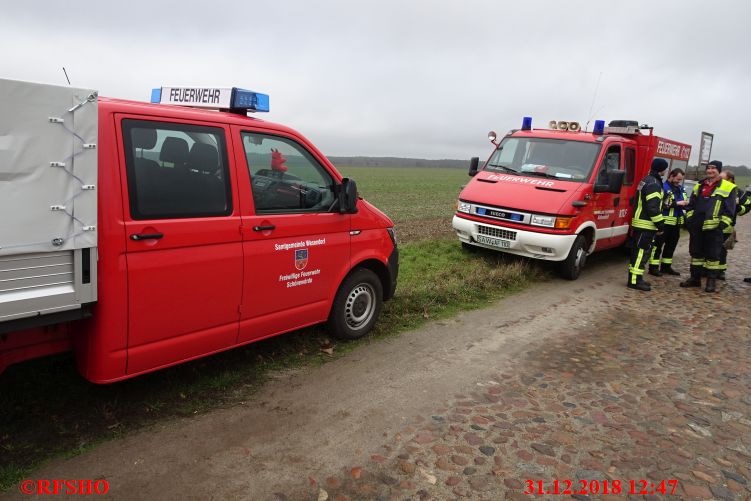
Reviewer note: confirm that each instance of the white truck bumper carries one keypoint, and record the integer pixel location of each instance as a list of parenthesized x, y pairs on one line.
[(520, 242)]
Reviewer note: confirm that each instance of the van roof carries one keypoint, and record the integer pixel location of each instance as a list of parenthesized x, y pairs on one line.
[(112, 105)]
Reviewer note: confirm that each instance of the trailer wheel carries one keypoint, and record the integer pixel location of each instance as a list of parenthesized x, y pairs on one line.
[(571, 267), (357, 304)]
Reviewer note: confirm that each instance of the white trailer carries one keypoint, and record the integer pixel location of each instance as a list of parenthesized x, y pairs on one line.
[(48, 202)]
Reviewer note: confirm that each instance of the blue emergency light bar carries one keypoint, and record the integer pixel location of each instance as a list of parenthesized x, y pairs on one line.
[(218, 98), (599, 129), (527, 123)]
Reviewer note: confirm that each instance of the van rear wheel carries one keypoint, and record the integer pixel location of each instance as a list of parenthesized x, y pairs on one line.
[(357, 305), (571, 267)]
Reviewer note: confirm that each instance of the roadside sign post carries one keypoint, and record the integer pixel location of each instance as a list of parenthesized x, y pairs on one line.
[(705, 149)]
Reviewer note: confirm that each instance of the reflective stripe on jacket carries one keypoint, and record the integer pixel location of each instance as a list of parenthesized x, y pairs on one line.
[(648, 212)]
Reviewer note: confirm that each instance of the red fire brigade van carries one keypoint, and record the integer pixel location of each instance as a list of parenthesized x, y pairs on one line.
[(560, 193), (142, 235)]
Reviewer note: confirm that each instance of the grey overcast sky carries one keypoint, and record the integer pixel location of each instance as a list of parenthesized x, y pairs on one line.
[(412, 78)]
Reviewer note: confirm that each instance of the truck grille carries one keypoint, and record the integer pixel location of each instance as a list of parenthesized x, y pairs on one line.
[(496, 232)]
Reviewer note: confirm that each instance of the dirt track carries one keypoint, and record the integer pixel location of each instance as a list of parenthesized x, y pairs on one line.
[(526, 381)]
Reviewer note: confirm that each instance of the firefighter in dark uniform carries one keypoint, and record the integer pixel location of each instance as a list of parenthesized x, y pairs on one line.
[(673, 202), (728, 234), (647, 222), (710, 210)]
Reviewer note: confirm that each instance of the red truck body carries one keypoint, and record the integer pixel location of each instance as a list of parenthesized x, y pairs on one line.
[(173, 288), (544, 193)]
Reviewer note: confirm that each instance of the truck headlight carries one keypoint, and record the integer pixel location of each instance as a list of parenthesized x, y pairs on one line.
[(463, 207), (548, 221)]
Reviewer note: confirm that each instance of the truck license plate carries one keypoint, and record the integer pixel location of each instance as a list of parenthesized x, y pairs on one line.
[(495, 242)]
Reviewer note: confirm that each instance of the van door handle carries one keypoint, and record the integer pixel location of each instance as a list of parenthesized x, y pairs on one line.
[(264, 228), (146, 236)]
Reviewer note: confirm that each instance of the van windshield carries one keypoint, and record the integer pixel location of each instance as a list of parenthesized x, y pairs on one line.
[(552, 158)]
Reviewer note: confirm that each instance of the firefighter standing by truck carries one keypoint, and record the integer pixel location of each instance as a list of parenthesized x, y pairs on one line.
[(710, 210), (674, 200), (648, 221)]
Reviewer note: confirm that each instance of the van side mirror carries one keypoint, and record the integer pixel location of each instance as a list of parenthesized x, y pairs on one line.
[(473, 163), (615, 182), (348, 196)]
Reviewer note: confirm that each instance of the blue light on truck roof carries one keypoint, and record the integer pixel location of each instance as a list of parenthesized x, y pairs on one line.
[(217, 98), (599, 127), (249, 100), (527, 123)]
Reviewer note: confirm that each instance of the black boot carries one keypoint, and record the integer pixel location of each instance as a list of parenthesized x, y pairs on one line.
[(692, 281), (711, 283), (721, 276), (640, 285), (654, 270), (667, 269)]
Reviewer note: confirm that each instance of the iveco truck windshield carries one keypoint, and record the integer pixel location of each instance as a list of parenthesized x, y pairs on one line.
[(553, 158)]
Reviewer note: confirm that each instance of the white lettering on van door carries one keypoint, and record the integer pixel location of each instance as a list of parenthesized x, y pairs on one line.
[(299, 278), (300, 244)]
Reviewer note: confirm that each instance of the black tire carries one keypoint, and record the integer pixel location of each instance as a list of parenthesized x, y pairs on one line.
[(571, 267), (357, 305)]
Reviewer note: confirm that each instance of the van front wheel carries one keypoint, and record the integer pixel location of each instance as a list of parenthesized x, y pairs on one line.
[(572, 266), (357, 304)]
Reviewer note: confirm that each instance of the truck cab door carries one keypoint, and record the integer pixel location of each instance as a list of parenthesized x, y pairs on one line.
[(183, 244), (296, 242), (624, 211), (606, 205)]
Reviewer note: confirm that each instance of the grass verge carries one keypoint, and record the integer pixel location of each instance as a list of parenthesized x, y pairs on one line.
[(47, 410)]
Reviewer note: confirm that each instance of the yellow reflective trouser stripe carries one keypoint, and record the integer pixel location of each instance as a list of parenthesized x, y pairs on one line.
[(653, 261), (710, 224), (667, 260), (727, 219), (637, 270), (697, 261), (712, 265), (643, 225), (723, 267)]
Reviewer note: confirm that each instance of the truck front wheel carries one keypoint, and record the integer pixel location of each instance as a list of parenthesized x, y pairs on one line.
[(357, 304), (571, 267)]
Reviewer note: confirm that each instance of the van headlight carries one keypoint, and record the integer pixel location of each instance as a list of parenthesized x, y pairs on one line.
[(547, 221), (463, 207)]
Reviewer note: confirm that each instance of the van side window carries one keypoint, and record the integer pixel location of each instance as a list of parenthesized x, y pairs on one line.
[(285, 177), (176, 170), (629, 162), (611, 161)]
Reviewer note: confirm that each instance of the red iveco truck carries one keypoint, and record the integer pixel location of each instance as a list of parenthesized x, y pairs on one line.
[(560, 193), (142, 235)]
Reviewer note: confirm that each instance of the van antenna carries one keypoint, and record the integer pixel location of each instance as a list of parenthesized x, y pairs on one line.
[(66, 75), (591, 106)]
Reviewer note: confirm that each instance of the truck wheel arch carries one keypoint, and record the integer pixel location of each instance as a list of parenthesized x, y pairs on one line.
[(588, 231)]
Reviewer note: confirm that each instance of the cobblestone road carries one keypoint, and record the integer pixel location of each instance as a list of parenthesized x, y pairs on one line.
[(655, 390)]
